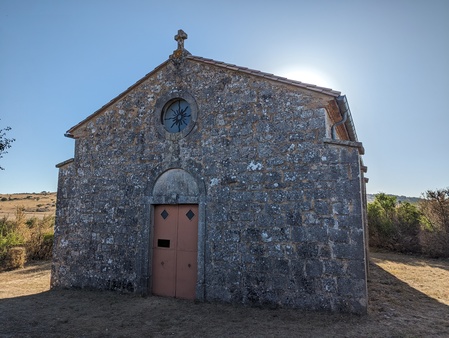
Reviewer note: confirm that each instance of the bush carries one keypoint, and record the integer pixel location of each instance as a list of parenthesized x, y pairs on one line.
[(408, 226), (381, 220), (394, 226), (34, 235), (435, 231), (405, 227), (380, 224), (40, 243), (15, 258), (40, 246), (434, 243), (9, 237)]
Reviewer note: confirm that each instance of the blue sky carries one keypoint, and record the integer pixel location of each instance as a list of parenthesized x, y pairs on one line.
[(62, 60)]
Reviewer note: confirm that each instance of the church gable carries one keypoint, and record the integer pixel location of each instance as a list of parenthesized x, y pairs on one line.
[(227, 102), (243, 159), (218, 81)]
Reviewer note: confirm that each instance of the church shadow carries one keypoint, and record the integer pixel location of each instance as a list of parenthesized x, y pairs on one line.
[(395, 310), (395, 303), (414, 260), (434, 263)]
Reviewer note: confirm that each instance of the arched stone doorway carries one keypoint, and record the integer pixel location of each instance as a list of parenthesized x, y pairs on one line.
[(177, 236)]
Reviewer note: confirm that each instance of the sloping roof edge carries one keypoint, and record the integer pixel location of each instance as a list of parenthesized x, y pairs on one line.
[(115, 99), (343, 104), (267, 76), (59, 165)]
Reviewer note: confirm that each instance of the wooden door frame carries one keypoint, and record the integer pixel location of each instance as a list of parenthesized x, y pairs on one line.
[(200, 286), (170, 197), (176, 251)]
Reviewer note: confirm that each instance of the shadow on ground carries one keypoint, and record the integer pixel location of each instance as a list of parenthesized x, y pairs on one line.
[(395, 310), (413, 260)]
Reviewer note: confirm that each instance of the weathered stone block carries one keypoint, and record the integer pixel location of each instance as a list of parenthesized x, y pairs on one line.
[(314, 268)]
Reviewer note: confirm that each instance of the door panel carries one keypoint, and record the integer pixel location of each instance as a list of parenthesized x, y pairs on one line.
[(175, 250), (188, 228), (164, 267), (164, 250), (165, 224), (186, 271)]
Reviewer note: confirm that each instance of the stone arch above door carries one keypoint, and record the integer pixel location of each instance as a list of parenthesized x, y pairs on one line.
[(176, 186)]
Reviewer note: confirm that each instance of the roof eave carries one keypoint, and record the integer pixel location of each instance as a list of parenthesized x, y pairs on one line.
[(343, 105), (266, 76)]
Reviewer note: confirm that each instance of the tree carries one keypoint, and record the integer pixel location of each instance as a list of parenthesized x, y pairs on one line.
[(5, 143), (409, 217), (435, 207), (381, 216), (408, 226), (435, 237), (378, 220), (394, 225), (388, 204)]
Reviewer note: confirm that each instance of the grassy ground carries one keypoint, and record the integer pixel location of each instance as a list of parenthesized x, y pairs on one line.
[(408, 298), (35, 205)]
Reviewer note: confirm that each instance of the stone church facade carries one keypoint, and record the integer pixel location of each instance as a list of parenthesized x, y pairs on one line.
[(214, 182)]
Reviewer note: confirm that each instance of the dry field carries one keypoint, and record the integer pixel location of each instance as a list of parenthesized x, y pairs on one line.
[(35, 205), (408, 298)]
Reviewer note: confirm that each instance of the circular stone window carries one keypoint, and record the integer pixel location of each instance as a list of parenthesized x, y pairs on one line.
[(176, 116), (176, 113)]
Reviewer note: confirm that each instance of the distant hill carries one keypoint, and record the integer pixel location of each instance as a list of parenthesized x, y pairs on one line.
[(33, 204), (412, 200)]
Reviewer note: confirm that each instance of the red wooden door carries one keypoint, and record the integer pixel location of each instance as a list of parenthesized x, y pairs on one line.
[(175, 248)]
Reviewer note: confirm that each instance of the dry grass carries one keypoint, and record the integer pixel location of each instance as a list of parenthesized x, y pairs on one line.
[(35, 205), (408, 298), (26, 220), (429, 276), (33, 279)]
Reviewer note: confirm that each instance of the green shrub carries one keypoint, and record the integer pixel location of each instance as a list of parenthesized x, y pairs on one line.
[(11, 239), (394, 226), (405, 227), (35, 235), (381, 225), (379, 222), (408, 227)]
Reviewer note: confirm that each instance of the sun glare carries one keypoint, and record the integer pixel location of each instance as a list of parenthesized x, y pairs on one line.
[(307, 75)]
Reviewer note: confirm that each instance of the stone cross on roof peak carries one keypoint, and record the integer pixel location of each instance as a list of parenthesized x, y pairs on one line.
[(180, 53), (180, 37)]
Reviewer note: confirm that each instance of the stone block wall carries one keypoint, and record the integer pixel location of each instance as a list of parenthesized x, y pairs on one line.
[(281, 204)]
